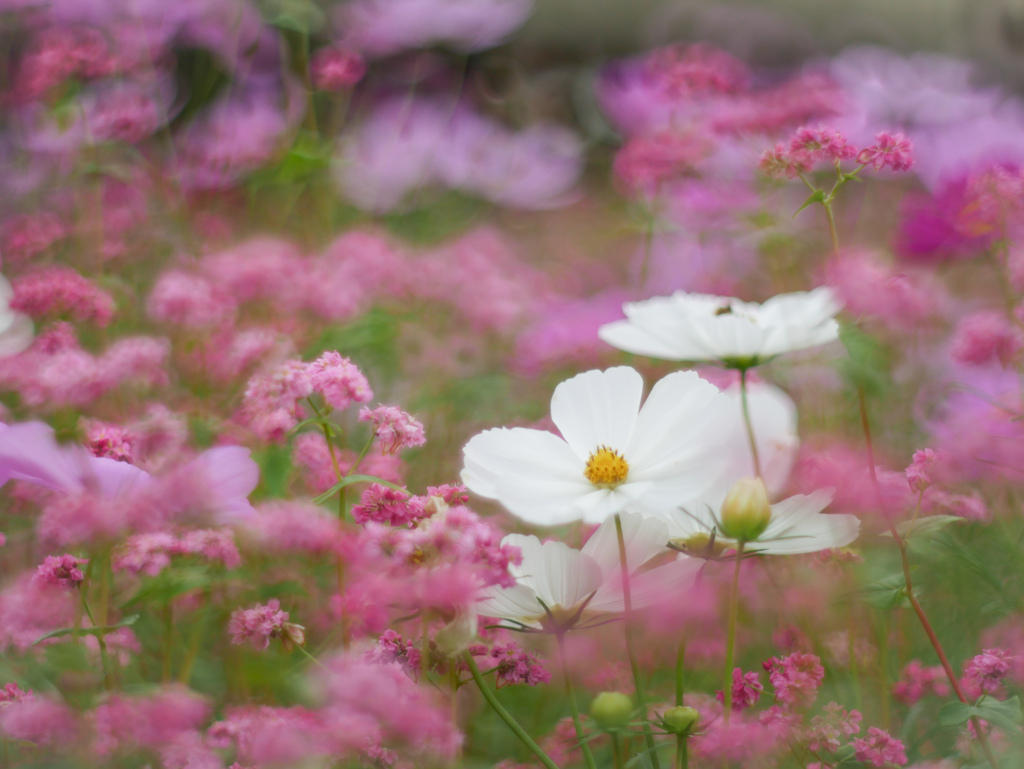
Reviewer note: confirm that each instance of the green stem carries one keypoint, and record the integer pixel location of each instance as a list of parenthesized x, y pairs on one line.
[(311, 657), (104, 662), (831, 225), (748, 423), (682, 751), (628, 619), (730, 639), (185, 673), (574, 707), (168, 643), (901, 544), (680, 679), (505, 716), (616, 750)]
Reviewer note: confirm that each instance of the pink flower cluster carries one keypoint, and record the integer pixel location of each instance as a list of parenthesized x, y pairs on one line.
[(880, 748), (390, 648), (518, 666), (796, 678), (334, 68), (917, 681), (394, 428), (258, 625), (286, 527), (182, 299), (387, 505), (61, 570), (829, 730), (151, 553), (810, 147), (58, 291), (985, 337), (918, 473), (984, 673), (746, 690)]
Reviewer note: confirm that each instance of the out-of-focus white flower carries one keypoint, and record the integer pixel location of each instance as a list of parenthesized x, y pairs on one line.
[(701, 327), (613, 455), (15, 329), (797, 525), (560, 587)]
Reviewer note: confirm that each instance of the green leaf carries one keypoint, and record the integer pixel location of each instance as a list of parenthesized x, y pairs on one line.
[(1002, 713), (96, 631), (888, 593), (355, 479), (818, 196), (956, 714), (927, 525)]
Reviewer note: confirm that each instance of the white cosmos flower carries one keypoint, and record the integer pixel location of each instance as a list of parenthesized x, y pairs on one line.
[(614, 455), (578, 586), (701, 327), (15, 328), (797, 525)]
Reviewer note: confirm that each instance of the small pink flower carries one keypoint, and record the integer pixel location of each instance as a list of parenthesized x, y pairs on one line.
[(917, 472), (394, 428), (746, 689), (916, 681), (339, 380), (384, 504), (815, 145), (796, 678), (261, 623), (880, 748), (892, 151), (56, 291), (61, 570), (779, 163), (985, 672), (986, 336), (336, 69), (828, 730), (518, 666)]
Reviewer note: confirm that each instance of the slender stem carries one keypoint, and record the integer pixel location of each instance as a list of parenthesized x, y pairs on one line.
[(310, 656), (730, 639), (832, 225), (744, 401), (104, 662), (682, 751), (616, 750), (645, 265), (628, 621), (505, 716), (168, 643), (185, 673), (680, 680), (901, 544), (574, 707)]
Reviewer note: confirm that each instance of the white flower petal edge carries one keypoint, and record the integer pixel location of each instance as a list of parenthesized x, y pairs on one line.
[(564, 578), (797, 524), (598, 408), (695, 327)]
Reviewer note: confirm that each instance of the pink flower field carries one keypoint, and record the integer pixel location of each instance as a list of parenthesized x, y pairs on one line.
[(420, 384)]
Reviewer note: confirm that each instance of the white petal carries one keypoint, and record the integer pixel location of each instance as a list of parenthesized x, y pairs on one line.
[(798, 526), (597, 408), (774, 418), (665, 583), (502, 453), (644, 538), (518, 602)]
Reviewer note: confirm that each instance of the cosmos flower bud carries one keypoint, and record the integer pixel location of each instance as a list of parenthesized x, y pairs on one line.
[(612, 710), (746, 510), (680, 719)]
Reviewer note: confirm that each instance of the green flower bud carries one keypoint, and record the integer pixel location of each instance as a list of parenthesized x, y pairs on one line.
[(746, 510), (612, 710), (680, 719)]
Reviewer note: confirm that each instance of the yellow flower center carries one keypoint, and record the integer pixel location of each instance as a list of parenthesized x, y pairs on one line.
[(606, 468)]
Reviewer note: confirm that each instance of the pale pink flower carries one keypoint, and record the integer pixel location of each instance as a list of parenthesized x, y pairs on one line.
[(56, 291), (394, 428), (258, 625), (39, 720), (383, 504), (283, 526), (880, 748), (518, 666), (187, 300), (746, 689), (61, 570), (918, 472), (26, 236), (336, 69), (917, 681), (984, 337), (796, 678), (338, 380), (646, 162), (892, 151), (985, 672), (828, 731), (270, 404)]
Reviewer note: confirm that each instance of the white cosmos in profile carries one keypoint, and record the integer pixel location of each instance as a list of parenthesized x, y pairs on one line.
[(797, 525), (613, 456), (559, 587), (702, 327)]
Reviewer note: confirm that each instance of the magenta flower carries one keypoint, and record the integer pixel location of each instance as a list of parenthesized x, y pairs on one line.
[(746, 690), (892, 151), (880, 748), (61, 570), (339, 380)]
